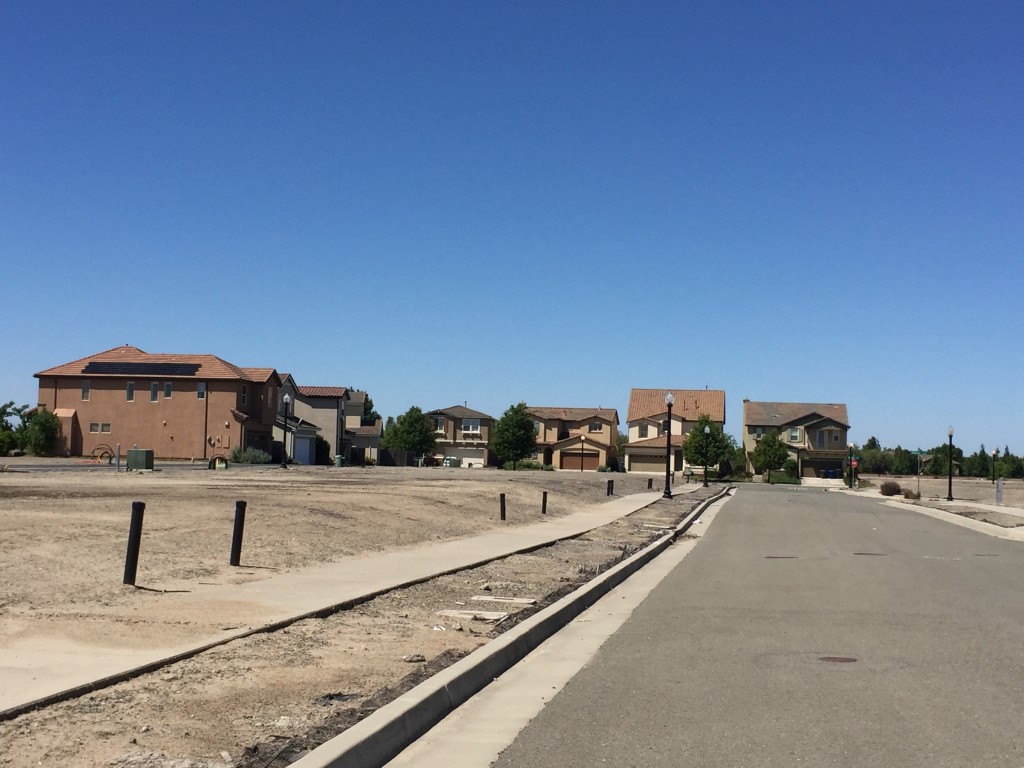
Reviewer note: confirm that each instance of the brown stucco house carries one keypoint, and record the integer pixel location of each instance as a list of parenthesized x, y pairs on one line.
[(178, 405), (463, 434), (645, 419), (575, 438), (814, 433)]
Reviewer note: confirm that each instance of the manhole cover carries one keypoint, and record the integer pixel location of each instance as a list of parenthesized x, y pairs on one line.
[(837, 659)]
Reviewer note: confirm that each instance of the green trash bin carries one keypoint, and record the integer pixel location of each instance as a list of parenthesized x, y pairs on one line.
[(339, 460)]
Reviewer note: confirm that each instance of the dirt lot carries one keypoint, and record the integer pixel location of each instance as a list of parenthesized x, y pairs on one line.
[(63, 533), (964, 488)]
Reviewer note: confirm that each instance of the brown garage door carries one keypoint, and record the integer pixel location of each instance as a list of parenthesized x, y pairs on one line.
[(573, 460), (646, 463)]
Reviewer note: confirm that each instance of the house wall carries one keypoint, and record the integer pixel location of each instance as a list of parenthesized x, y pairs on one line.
[(182, 426), (325, 412)]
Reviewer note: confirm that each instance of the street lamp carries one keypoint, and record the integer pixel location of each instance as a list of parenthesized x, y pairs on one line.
[(949, 494), (849, 462), (284, 436), (995, 452), (707, 437), (669, 399)]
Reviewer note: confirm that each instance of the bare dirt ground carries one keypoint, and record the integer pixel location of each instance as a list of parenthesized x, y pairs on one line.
[(261, 700), (965, 489)]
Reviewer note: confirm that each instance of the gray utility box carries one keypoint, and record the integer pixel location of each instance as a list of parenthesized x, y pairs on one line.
[(140, 458)]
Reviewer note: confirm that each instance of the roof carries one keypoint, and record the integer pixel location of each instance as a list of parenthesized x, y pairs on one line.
[(121, 362), (655, 442), (373, 430), (780, 414), (689, 405), (574, 414), (334, 392), (461, 412)]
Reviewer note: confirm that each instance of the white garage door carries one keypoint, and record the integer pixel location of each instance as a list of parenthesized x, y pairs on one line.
[(474, 457)]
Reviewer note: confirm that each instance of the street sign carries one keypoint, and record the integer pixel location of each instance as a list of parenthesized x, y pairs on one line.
[(853, 463)]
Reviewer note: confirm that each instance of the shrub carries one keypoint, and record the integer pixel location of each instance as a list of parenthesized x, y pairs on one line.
[(41, 433), (525, 464), (549, 467), (784, 479), (8, 442), (249, 456), (909, 494), (890, 488), (369, 461), (602, 468), (790, 468)]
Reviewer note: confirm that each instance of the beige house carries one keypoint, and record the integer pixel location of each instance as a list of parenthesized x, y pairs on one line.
[(576, 438), (646, 418), (336, 413), (179, 406), (814, 433), (461, 436)]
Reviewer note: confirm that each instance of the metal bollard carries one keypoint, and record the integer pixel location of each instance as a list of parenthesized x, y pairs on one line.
[(131, 560), (611, 488), (544, 503), (503, 506), (236, 536), (650, 483)]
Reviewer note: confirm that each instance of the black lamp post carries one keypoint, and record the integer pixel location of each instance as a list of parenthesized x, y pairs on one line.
[(995, 452), (669, 399), (707, 438), (949, 493), (286, 400), (849, 461)]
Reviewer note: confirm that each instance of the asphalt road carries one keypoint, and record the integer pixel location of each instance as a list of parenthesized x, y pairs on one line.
[(734, 658)]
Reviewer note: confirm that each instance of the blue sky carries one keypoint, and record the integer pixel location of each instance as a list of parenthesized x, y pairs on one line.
[(551, 202)]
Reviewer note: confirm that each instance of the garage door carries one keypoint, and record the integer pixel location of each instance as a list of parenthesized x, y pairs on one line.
[(646, 463), (303, 450), (471, 457), (573, 460)]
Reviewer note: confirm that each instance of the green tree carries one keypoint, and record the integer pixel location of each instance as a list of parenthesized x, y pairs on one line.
[(707, 449), (770, 453), (872, 444), (42, 429), (513, 438), (370, 415), (8, 433), (412, 432)]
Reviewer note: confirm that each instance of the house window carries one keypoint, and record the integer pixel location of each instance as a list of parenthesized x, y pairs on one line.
[(439, 424), (85, 389), (105, 427), (821, 439), (94, 426), (471, 426), (536, 427), (642, 431), (201, 390), (129, 391), (595, 426), (758, 433), (794, 434), (835, 437), (167, 389), (154, 391)]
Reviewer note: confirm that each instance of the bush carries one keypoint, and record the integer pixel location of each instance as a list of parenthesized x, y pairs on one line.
[(41, 433), (890, 488), (525, 464), (602, 468), (369, 461), (249, 456), (549, 467), (909, 494), (790, 468), (8, 442), (784, 479)]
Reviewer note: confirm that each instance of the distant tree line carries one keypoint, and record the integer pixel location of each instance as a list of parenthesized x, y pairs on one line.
[(875, 460)]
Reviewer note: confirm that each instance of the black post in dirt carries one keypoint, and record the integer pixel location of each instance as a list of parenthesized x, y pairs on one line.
[(131, 560), (503, 506), (236, 536), (650, 483), (544, 503), (611, 488)]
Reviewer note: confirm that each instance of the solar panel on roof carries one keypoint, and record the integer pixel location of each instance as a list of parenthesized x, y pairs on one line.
[(141, 369)]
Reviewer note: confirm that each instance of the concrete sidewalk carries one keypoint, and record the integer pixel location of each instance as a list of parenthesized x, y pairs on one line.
[(41, 670)]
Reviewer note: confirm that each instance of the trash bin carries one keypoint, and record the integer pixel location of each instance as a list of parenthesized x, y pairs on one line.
[(339, 460)]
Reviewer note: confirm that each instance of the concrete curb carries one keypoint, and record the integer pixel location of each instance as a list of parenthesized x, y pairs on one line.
[(372, 742)]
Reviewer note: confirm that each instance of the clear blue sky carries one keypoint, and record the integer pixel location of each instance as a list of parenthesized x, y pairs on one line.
[(554, 202)]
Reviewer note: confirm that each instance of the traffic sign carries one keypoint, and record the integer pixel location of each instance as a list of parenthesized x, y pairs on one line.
[(853, 463)]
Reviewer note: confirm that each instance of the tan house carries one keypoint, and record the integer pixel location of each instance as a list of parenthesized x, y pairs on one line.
[(179, 406), (646, 418), (337, 415), (814, 433), (576, 438), (461, 436)]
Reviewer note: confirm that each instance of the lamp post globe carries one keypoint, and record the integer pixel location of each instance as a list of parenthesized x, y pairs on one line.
[(669, 400), (286, 400), (949, 492), (707, 437), (995, 452)]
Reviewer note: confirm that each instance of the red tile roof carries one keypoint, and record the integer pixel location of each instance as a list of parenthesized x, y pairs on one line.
[(780, 414), (689, 405), (209, 366), (574, 414), (656, 442), (323, 391)]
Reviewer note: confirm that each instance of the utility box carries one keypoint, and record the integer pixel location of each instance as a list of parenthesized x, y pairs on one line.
[(140, 458)]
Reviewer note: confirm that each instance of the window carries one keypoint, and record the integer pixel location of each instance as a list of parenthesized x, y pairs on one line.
[(536, 427), (154, 391), (595, 426), (758, 433), (85, 389), (471, 426), (439, 424), (105, 427), (642, 431), (835, 437), (167, 389), (201, 390), (794, 434), (94, 426), (129, 391), (245, 394), (821, 438)]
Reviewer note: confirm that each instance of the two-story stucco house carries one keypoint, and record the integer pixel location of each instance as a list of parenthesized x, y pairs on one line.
[(461, 434), (646, 417), (179, 406), (576, 438), (335, 414), (814, 433)]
